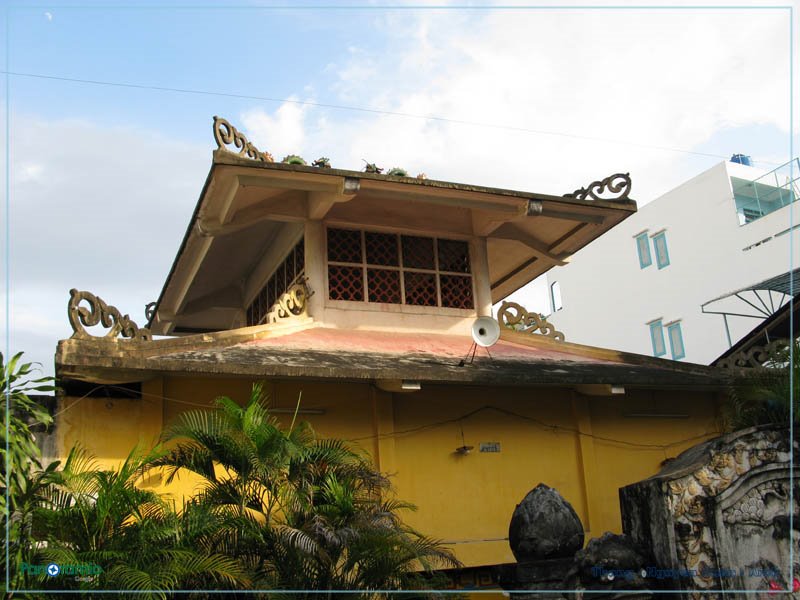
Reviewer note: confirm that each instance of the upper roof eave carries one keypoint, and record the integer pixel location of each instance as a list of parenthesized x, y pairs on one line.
[(222, 158)]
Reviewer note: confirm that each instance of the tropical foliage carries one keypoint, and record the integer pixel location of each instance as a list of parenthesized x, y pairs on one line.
[(20, 479), (301, 513), (764, 395), (278, 509)]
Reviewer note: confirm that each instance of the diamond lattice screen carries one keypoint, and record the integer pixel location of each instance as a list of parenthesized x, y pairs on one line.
[(420, 289), (383, 286), (344, 245), (381, 249), (456, 291), (453, 256), (345, 283), (418, 252)]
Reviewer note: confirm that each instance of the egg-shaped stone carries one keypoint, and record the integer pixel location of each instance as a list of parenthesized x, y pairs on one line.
[(543, 526)]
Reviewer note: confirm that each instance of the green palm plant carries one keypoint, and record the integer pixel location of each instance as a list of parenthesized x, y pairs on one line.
[(302, 513), (104, 517), (21, 479), (764, 395)]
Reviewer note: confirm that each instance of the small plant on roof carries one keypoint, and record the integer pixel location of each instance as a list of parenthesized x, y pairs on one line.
[(397, 172), (322, 162), (422, 176), (372, 168), (294, 159)]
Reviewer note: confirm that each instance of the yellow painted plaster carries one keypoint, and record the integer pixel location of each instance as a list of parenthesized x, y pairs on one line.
[(579, 445)]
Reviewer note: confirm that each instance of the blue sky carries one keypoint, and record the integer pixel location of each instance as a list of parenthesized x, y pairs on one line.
[(103, 178)]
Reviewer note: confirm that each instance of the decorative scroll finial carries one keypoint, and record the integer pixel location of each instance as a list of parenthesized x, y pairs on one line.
[(150, 310), (292, 303), (100, 313), (529, 322), (618, 184), (225, 133), (754, 357)]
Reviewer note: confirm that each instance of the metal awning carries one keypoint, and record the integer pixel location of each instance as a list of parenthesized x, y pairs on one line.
[(787, 283), (760, 300)]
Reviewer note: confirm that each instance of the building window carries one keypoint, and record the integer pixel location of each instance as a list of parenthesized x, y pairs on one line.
[(660, 245), (657, 338), (755, 199), (643, 249), (389, 268), (555, 296), (675, 340), (289, 272)]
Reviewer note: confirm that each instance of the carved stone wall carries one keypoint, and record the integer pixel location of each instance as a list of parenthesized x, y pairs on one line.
[(717, 517)]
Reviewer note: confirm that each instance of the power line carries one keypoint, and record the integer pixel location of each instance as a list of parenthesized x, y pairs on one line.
[(542, 424), (356, 109)]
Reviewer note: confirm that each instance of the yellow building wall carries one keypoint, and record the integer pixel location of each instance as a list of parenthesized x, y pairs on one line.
[(585, 447)]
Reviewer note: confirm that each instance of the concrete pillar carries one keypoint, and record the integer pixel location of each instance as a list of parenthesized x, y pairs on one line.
[(315, 268), (480, 274)]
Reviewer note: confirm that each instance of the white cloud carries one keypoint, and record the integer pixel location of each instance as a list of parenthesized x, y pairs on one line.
[(283, 133), (100, 209), (669, 79)]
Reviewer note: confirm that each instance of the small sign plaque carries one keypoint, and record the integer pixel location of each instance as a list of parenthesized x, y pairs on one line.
[(490, 446)]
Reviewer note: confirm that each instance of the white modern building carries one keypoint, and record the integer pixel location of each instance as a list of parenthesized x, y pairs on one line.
[(691, 272)]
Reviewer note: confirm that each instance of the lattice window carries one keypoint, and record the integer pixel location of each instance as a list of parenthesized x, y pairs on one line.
[(453, 256), (286, 274), (344, 245), (345, 283), (272, 293), (420, 288), (383, 286), (399, 269), (456, 291), (418, 252), (381, 249)]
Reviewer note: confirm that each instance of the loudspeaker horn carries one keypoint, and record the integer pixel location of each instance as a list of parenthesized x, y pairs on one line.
[(485, 331)]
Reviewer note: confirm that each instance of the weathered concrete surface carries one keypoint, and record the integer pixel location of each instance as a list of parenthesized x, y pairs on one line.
[(301, 349)]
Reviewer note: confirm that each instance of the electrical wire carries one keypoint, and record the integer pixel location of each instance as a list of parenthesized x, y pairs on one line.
[(542, 424), (362, 109), (66, 408)]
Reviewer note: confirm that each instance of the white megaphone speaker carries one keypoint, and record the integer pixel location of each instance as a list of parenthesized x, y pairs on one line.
[(485, 331)]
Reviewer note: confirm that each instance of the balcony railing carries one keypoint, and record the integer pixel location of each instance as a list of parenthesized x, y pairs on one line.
[(768, 193)]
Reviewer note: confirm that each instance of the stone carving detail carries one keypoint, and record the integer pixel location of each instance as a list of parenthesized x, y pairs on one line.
[(292, 303), (750, 508), (618, 184), (515, 316), (543, 526), (100, 313), (688, 498), (754, 357), (225, 134)]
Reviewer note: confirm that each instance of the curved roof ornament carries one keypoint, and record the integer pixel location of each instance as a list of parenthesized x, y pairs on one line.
[(100, 313), (226, 134), (514, 316), (619, 185)]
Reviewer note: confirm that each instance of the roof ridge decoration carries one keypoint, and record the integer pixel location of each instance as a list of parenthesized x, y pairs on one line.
[(618, 184), (514, 316), (754, 357), (291, 304), (101, 313), (226, 134)]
